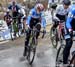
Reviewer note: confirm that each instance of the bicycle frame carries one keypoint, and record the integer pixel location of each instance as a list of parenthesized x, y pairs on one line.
[(33, 34), (61, 29)]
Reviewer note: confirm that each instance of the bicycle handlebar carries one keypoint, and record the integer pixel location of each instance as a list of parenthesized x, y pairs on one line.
[(35, 30)]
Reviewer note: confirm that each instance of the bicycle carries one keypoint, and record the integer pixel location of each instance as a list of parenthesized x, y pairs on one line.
[(31, 48), (15, 26), (55, 38)]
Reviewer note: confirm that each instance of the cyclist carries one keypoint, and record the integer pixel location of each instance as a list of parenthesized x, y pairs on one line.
[(61, 12), (14, 8), (70, 26), (35, 16), (8, 19)]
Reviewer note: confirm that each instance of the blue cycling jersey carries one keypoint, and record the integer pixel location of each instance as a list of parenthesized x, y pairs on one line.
[(70, 17), (33, 14)]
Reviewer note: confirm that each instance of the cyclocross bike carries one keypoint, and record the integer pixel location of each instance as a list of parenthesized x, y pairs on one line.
[(56, 34), (31, 48)]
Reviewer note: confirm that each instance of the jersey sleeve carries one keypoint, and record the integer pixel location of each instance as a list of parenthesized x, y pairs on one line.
[(29, 16), (43, 20), (10, 7), (69, 18), (58, 9), (17, 7)]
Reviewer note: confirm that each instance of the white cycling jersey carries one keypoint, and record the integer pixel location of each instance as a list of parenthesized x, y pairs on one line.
[(61, 11)]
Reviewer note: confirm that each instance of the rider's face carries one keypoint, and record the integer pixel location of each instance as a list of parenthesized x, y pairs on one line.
[(66, 6), (13, 3), (38, 11)]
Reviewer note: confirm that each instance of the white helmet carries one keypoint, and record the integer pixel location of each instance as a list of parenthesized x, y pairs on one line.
[(39, 6)]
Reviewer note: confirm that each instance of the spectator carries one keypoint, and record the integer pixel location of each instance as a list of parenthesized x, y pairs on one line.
[(8, 19)]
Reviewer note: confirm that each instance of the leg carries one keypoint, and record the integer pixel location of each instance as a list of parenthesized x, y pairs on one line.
[(66, 51)]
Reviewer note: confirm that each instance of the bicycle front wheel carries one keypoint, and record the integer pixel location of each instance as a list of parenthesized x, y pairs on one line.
[(72, 61), (59, 57), (32, 51), (54, 37)]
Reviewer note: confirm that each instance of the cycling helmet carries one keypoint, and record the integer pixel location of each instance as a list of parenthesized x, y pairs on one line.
[(53, 5), (40, 7), (66, 2)]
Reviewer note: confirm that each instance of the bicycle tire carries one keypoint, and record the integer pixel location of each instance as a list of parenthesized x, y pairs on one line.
[(72, 61), (59, 54), (60, 51), (54, 39), (32, 50)]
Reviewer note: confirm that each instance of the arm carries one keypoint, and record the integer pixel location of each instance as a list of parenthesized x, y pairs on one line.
[(29, 16), (69, 18), (4, 18), (10, 7), (17, 7), (61, 17), (43, 23)]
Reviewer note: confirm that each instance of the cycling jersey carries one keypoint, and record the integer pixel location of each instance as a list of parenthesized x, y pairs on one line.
[(14, 10), (61, 12), (71, 17), (33, 14)]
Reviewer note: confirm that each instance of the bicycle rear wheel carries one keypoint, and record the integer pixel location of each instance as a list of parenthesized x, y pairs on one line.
[(54, 37), (32, 51)]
